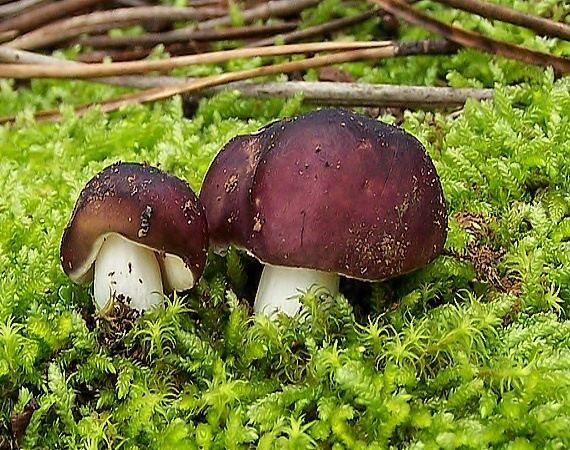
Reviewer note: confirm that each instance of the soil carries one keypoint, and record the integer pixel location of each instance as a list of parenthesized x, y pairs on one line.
[(484, 257), (114, 322)]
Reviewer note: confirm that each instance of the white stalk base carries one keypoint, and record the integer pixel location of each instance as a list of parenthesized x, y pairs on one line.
[(176, 276), (123, 267), (280, 288)]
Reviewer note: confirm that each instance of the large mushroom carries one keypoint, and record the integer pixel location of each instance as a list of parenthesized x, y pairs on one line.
[(137, 232), (330, 192)]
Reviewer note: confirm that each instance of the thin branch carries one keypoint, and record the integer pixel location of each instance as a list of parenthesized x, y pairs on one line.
[(358, 94), (26, 71), (247, 31), (325, 93), (13, 56), (105, 20), (196, 3), (6, 36), (272, 8), (45, 13), (266, 10), (216, 80), (122, 3), (541, 25), (275, 8), (427, 47), (138, 53), (99, 56), (317, 30), (17, 7), (407, 48), (474, 40)]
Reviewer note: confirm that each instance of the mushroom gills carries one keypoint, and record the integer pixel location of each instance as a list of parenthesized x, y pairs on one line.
[(126, 268), (280, 288)]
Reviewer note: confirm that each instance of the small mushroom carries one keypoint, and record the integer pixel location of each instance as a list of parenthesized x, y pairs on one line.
[(327, 193), (137, 232)]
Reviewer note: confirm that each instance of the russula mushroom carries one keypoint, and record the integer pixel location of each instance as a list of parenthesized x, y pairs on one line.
[(330, 192), (137, 232)]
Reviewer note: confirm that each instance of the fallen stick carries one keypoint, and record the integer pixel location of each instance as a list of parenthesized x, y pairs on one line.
[(248, 31), (103, 20), (6, 36), (313, 92), (466, 38), (99, 56), (161, 93), (17, 7), (197, 3), (541, 25), (130, 2), (43, 14), (357, 94), (14, 56), (317, 30), (270, 9), (26, 71)]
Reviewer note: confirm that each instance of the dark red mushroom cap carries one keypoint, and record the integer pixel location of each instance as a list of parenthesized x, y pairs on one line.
[(330, 190), (143, 204)]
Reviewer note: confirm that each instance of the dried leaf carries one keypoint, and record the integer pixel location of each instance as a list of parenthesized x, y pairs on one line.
[(19, 422), (335, 74)]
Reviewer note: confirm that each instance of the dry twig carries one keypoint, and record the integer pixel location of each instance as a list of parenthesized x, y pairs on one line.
[(122, 3), (14, 56), (104, 20), (17, 7), (318, 30), (6, 36), (43, 14), (216, 80), (248, 31), (26, 71), (542, 26), (272, 8), (357, 94), (474, 40), (132, 54)]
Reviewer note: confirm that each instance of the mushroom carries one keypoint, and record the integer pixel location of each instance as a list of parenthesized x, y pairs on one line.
[(137, 232), (328, 193)]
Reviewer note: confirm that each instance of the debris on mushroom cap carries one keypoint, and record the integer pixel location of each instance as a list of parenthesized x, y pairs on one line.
[(329, 190), (144, 205)]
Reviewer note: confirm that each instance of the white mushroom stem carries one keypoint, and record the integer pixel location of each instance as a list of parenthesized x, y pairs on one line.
[(175, 274), (126, 268), (280, 288)]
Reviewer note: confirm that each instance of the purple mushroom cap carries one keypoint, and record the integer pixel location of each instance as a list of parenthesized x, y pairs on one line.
[(330, 190), (144, 205)]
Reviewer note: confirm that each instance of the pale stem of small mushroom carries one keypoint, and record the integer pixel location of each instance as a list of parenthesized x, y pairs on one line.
[(124, 267), (280, 288), (175, 274)]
